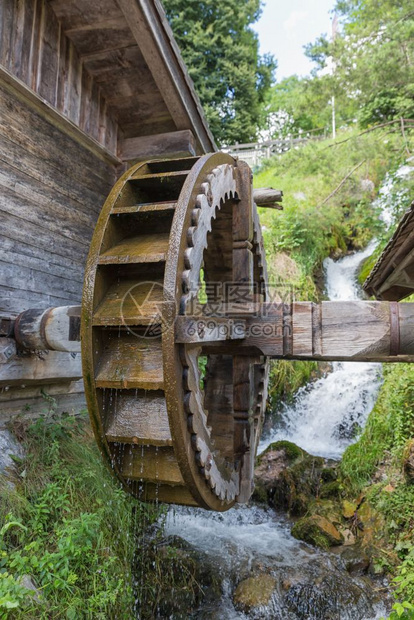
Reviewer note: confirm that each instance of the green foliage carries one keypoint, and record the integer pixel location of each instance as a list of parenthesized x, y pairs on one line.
[(318, 221), (287, 377), (372, 59), (390, 425), (70, 527), (221, 53)]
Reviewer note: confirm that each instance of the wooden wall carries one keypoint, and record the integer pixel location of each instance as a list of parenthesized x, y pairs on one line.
[(34, 48), (51, 192)]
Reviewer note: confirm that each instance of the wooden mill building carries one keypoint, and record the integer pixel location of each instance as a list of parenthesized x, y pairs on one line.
[(86, 88)]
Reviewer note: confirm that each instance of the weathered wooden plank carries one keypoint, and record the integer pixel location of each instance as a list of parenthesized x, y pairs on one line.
[(210, 329), (128, 361), (178, 495), (151, 31), (74, 14), (23, 208), (55, 117), (24, 278), (156, 465), (129, 303), (47, 77), (28, 130), (302, 341), (14, 301), (34, 400), (6, 24), (174, 144), (140, 421), (25, 191), (52, 250), (21, 38), (139, 249), (51, 367), (104, 33), (150, 207)]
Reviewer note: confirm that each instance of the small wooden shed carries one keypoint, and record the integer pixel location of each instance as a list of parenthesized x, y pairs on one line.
[(86, 88)]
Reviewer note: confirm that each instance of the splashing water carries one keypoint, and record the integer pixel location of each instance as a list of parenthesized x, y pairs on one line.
[(322, 420), (326, 415)]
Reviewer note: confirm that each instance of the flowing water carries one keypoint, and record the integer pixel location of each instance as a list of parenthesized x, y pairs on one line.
[(325, 415), (323, 420)]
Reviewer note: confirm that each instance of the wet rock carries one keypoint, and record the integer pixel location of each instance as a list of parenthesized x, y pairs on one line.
[(408, 461), (356, 561), (254, 592), (290, 478), (317, 531)]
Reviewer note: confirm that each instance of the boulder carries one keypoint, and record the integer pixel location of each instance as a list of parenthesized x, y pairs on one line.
[(356, 560), (254, 592), (318, 531), (289, 478)]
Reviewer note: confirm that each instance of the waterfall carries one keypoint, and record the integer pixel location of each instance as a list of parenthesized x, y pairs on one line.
[(325, 415)]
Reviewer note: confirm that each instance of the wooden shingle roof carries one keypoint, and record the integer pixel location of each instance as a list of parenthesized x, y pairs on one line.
[(392, 277)]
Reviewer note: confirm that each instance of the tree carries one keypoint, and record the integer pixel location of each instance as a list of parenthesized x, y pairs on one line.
[(221, 53), (373, 57)]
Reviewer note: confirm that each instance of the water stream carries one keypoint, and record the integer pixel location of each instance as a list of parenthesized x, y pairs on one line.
[(326, 415), (323, 419)]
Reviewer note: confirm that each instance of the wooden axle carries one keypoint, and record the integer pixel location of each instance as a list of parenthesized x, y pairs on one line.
[(333, 331), (54, 329)]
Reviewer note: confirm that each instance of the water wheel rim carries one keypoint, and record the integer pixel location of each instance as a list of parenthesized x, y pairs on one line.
[(194, 486)]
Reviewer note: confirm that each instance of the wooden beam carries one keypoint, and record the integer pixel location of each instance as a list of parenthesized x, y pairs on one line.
[(46, 367), (54, 329), (333, 331), (159, 146), (268, 197)]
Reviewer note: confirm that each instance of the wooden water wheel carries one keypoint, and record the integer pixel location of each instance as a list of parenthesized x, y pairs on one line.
[(178, 421)]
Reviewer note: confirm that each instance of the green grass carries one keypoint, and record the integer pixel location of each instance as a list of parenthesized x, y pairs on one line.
[(390, 425), (80, 537)]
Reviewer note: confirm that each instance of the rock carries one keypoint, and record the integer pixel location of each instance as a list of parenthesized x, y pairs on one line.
[(349, 537), (27, 582), (388, 489), (9, 447), (408, 461), (356, 561), (317, 531), (254, 592), (348, 509), (288, 477)]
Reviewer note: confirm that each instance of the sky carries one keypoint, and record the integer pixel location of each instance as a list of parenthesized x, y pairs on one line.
[(286, 26)]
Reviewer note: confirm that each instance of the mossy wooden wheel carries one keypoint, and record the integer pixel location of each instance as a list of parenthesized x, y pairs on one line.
[(164, 246)]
